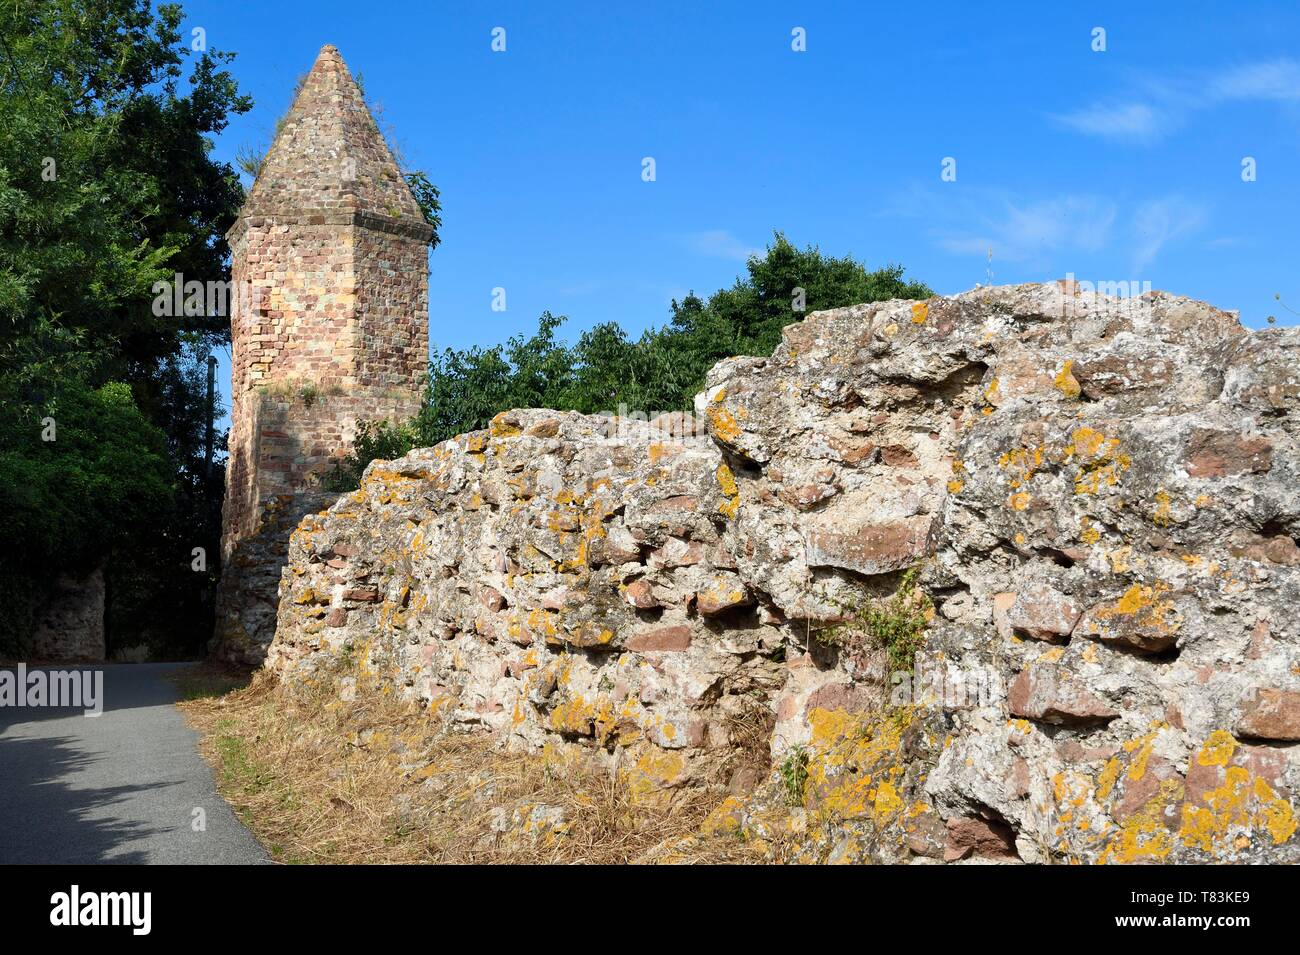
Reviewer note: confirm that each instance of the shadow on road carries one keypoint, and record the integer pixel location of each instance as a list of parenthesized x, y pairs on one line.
[(43, 819)]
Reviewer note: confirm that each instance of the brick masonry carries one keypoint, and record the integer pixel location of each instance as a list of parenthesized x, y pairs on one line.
[(329, 325)]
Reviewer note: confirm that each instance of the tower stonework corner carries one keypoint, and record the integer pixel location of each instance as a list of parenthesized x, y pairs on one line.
[(329, 325)]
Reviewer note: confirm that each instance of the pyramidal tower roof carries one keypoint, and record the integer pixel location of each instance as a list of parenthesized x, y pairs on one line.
[(329, 156)]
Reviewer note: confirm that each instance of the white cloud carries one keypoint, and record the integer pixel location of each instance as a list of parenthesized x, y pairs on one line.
[(1159, 221), (1126, 121), (720, 244), (1277, 80), (1047, 234), (1020, 231), (1168, 103)]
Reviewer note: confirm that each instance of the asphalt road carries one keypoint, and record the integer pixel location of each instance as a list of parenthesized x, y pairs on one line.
[(122, 787)]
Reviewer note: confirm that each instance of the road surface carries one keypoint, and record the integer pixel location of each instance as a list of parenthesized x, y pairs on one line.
[(122, 787)]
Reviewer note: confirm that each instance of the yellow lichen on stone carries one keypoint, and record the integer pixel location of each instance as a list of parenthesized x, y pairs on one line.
[(1147, 604), (1087, 532), (1109, 776), (726, 480), (656, 770), (500, 427), (1217, 749), (1235, 809), (1144, 837), (723, 424), (1101, 462), (1161, 517), (956, 483), (1022, 463), (660, 450), (887, 802), (1205, 827), (1138, 768), (1065, 381), (726, 819), (856, 764), (574, 715), (1275, 813)]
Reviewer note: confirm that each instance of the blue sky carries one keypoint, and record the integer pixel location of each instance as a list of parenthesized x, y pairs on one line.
[(1122, 164)]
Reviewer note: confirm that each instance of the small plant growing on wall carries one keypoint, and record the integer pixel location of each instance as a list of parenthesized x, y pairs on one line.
[(794, 775), (895, 625)]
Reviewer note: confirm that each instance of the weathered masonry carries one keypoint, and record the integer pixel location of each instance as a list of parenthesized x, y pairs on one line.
[(329, 325)]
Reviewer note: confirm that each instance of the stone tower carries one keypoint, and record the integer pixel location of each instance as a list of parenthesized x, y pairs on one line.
[(329, 325)]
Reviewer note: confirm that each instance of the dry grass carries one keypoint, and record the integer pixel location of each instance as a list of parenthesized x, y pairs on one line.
[(209, 679), (371, 780)]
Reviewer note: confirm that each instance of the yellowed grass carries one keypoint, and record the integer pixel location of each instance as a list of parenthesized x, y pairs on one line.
[(372, 780)]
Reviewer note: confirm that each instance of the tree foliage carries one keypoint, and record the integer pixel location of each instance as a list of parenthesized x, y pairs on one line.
[(108, 186), (429, 199), (102, 472), (747, 318)]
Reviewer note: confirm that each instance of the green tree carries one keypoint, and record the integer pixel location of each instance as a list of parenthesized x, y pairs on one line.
[(747, 318), (107, 184), (107, 187), (429, 199), (84, 476)]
